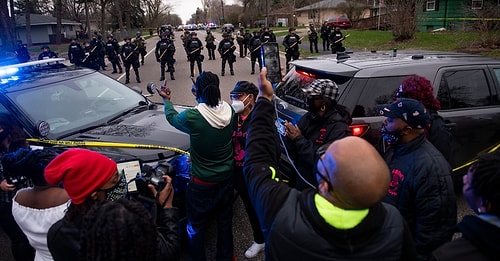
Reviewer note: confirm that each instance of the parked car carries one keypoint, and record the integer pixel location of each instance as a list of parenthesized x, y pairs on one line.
[(466, 85), (228, 28), (192, 27), (212, 26), (340, 21), (64, 107)]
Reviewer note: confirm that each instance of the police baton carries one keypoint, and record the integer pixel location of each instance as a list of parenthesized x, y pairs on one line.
[(195, 50), (300, 39), (229, 49), (126, 58), (342, 39), (256, 48), (91, 51), (164, 52)]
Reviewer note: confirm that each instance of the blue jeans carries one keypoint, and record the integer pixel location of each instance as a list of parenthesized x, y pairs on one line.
[(203, 202)]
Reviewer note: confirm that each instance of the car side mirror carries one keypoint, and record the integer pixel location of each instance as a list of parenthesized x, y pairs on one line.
[(151, 87)]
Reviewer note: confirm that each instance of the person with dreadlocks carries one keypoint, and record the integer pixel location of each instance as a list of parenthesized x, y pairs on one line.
[(124, 230), (480, 233), (210, 190), (420, 88), (85, 184), (36, 208)]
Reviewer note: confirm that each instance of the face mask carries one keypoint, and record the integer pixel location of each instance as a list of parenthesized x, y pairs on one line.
[(238, 105), (310, 106), (391, 137), (119, 190)]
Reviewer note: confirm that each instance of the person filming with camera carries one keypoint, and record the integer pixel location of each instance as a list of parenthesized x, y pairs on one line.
[(86, 185)]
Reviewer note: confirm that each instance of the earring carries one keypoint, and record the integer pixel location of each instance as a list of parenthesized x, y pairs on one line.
[(323, 108)]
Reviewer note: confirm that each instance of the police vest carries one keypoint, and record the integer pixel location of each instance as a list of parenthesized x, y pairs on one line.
[(194, 45), (210, 39), (292, 39), (163, 45), (226, 45), (127, 49), (255, 42)]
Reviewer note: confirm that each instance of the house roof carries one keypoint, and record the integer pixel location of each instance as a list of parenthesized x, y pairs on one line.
[(321, 5), (38, 19)]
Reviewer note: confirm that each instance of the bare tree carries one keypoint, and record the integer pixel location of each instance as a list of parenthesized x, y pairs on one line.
[(486, 23), (58, 12), (6, 28), (403, 17), (156, 12), (353, 9)]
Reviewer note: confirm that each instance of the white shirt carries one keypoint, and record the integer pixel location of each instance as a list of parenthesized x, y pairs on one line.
[(35, 224)]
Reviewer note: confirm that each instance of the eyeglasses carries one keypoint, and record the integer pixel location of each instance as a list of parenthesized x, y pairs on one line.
[(323, 177)]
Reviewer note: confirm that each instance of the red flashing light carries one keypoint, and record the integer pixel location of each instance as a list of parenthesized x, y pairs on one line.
[(359, 130), (306, 74)]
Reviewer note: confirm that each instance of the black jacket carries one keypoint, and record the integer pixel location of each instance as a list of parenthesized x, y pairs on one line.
[(422, 189), (292, 226), (316, 132), (63, 238), (479, 242)]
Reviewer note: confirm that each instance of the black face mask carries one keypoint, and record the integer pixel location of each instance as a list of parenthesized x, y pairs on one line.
[(311, 107)]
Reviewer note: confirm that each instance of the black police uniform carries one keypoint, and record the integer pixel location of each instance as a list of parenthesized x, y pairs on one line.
[(47, 55), (22, 52), (100, 51), (90, 57), (267, 37), (112, 51), (210, 40), (226, 50), (254, 45), (130, 57), (313, 39), (336, 38), (193, 50), (291, 43), (325, 34), (164, 53), (246, 42), (75, 51)]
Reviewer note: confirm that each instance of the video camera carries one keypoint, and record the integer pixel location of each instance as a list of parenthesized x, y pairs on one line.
[(154, 176)]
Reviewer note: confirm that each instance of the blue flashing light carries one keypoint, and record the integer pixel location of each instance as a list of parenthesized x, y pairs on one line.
[(8, 71)]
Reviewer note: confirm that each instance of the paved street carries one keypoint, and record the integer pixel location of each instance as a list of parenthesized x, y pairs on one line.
[(181, 94)]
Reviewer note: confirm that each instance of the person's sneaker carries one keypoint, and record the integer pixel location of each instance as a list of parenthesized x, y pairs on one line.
[(254, 250)]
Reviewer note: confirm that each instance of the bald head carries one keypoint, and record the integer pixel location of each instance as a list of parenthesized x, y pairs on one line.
[(357, 174)]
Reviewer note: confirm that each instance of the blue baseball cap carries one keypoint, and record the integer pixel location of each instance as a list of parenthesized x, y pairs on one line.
[(410, 111)]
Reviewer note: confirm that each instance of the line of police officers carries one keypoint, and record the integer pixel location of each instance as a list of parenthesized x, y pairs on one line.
[(93, 52)]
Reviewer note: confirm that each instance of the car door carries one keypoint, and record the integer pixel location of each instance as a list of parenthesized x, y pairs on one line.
[(470, 106)]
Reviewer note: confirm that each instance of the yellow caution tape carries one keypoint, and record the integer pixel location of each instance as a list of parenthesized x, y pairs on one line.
[(474, 160), (71, 143)]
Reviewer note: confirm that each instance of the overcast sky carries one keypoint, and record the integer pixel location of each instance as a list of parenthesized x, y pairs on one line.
[(185, 8)]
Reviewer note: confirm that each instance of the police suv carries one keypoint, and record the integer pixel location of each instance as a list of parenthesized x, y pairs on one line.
[(466, 85), (66, 107)]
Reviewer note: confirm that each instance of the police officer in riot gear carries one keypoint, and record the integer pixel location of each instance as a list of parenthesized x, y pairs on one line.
[(130, 57), (240, 39), (312, 34), (90, 56), (112, 51), (336, 38), (99, 50), (164, 53), (46, 53), (267, 36), (193, 50), (75, 51), (210, 43), (140, 42), (22, 52), (226, 50), (254, 46), (291, 43)]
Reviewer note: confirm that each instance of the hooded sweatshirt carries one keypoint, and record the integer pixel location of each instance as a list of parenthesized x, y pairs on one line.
[(210, 130)]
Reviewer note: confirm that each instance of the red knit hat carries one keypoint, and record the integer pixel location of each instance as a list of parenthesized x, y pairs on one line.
[(81, 172)]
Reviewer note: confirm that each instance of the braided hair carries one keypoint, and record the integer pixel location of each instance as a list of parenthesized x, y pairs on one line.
[(208, 91), (120, 230), (28, 163), (486, 179)]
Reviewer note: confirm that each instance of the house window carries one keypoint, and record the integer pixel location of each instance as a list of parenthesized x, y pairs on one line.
[(430, 5), (477, 4)]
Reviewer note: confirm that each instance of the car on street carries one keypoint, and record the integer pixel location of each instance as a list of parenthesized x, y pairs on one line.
[(340, 21), (466, 85), (228, 28), (64, 107)]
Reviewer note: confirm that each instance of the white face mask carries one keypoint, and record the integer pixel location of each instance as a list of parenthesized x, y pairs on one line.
[(238, 105)]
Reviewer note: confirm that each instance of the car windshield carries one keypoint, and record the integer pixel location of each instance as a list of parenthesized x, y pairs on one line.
[(290, 90), (77, 103)]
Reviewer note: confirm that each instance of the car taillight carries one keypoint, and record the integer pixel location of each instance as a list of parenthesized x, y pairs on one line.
[(359, 130), (310, 75)]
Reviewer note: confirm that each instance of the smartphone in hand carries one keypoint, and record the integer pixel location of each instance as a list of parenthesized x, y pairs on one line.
[(270, 55)]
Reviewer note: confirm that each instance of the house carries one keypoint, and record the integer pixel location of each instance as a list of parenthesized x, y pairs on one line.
[(317, 12), (455, 14), (43, 29)]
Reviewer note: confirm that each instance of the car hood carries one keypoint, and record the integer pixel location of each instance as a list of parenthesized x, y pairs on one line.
[(145, 128)]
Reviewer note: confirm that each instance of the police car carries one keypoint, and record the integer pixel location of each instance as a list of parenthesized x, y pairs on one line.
[(64, 107), (466, 85)]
